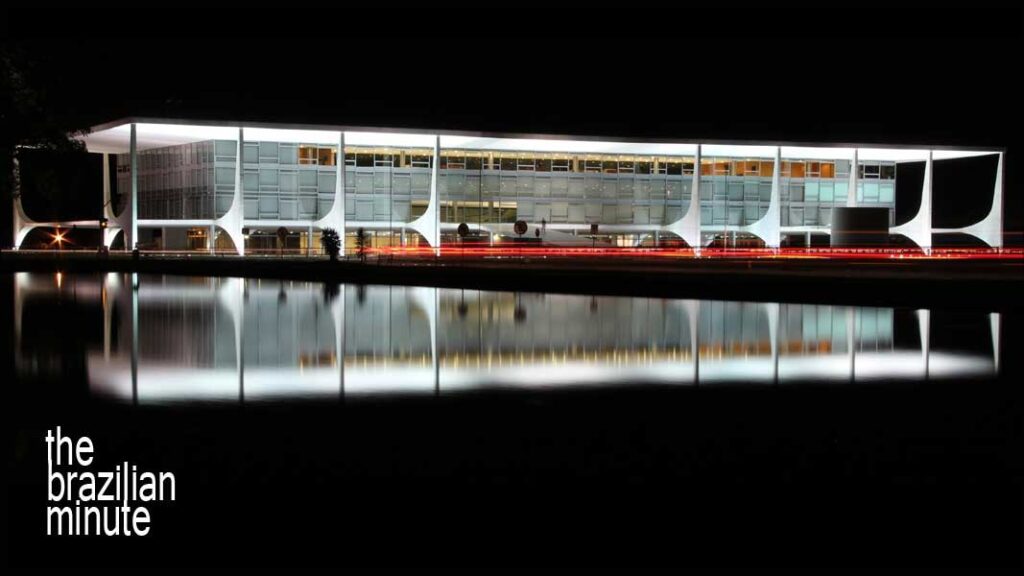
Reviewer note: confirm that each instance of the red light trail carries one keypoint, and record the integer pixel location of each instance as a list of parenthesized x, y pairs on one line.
[(509, 250)]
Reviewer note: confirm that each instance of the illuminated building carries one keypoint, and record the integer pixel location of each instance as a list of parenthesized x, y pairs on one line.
[(180, 186)]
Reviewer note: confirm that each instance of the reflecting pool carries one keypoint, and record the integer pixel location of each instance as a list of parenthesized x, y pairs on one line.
[(157, 339)]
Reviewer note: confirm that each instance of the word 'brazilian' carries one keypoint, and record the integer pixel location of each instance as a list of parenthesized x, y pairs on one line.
[(102, 503)]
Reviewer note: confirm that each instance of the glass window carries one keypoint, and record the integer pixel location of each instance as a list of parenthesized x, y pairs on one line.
[(828, 170), (886, 192), (225, 176), (251, 182), (869, 170), (841, 190), (268, 177), (735, 191), (307, 155), (327, 182), (825, 191), (811, 192), (226, 148), (289, 181), (871, 191), (268, 151), (251, 153), (888, 171), (796, 192), (325, 156), (796, 170)]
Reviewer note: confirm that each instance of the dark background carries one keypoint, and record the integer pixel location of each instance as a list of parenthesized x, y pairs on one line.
[(812, 477), (866, 73)]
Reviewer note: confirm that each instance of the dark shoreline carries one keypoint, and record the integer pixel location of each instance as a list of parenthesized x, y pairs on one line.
[(991, 285)]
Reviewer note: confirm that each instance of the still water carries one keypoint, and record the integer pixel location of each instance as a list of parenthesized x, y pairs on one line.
[(153, 339)]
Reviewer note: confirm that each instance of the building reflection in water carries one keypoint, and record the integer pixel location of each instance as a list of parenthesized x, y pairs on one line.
[(167, 338)]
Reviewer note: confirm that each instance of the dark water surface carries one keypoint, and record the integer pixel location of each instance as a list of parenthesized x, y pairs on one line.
[(413, 425)]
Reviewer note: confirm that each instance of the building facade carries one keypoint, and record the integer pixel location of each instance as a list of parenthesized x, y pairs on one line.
[(203, 187)]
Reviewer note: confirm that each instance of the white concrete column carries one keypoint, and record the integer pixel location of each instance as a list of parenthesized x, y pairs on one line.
[(768, 228), (22, 224), (131, 228), (335, 217), (990, 229), (339, 192), (919, 228), (851, 196), (231, 221), (428, 224), (113, 222), (688, 226)]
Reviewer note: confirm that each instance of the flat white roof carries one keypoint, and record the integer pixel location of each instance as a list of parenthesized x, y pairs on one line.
[(157, 133)]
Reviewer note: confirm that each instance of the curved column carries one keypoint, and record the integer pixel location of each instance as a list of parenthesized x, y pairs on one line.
[(990, 229), (767, 228), (130, 216), (231, 221), (919, 228), (335, 217), (22, 223), (110, 232), (851, 195), (688, 227), (428, 225)]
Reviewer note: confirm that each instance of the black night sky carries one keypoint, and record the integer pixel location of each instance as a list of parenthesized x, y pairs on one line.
[(911, 472), (945, 84)]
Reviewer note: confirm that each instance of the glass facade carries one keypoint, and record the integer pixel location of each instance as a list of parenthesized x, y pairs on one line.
[(296, 181)]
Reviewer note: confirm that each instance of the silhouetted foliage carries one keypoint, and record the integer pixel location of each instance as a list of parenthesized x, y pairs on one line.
[(331, 242), (362, 243)]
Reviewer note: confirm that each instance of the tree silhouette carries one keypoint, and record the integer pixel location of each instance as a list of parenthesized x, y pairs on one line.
[(331, 242)]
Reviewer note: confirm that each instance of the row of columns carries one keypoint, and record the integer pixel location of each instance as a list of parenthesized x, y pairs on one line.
[(918, 229), (768, 228)]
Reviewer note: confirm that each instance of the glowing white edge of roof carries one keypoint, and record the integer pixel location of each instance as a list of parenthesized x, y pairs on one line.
[(155, 135)]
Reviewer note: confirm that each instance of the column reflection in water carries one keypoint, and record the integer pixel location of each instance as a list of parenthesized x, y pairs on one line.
[(231, 340)]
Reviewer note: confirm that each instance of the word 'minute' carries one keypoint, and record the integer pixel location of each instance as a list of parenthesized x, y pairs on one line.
[(112, 496)]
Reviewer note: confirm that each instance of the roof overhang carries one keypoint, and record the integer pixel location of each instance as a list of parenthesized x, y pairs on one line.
[(114, 137)]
